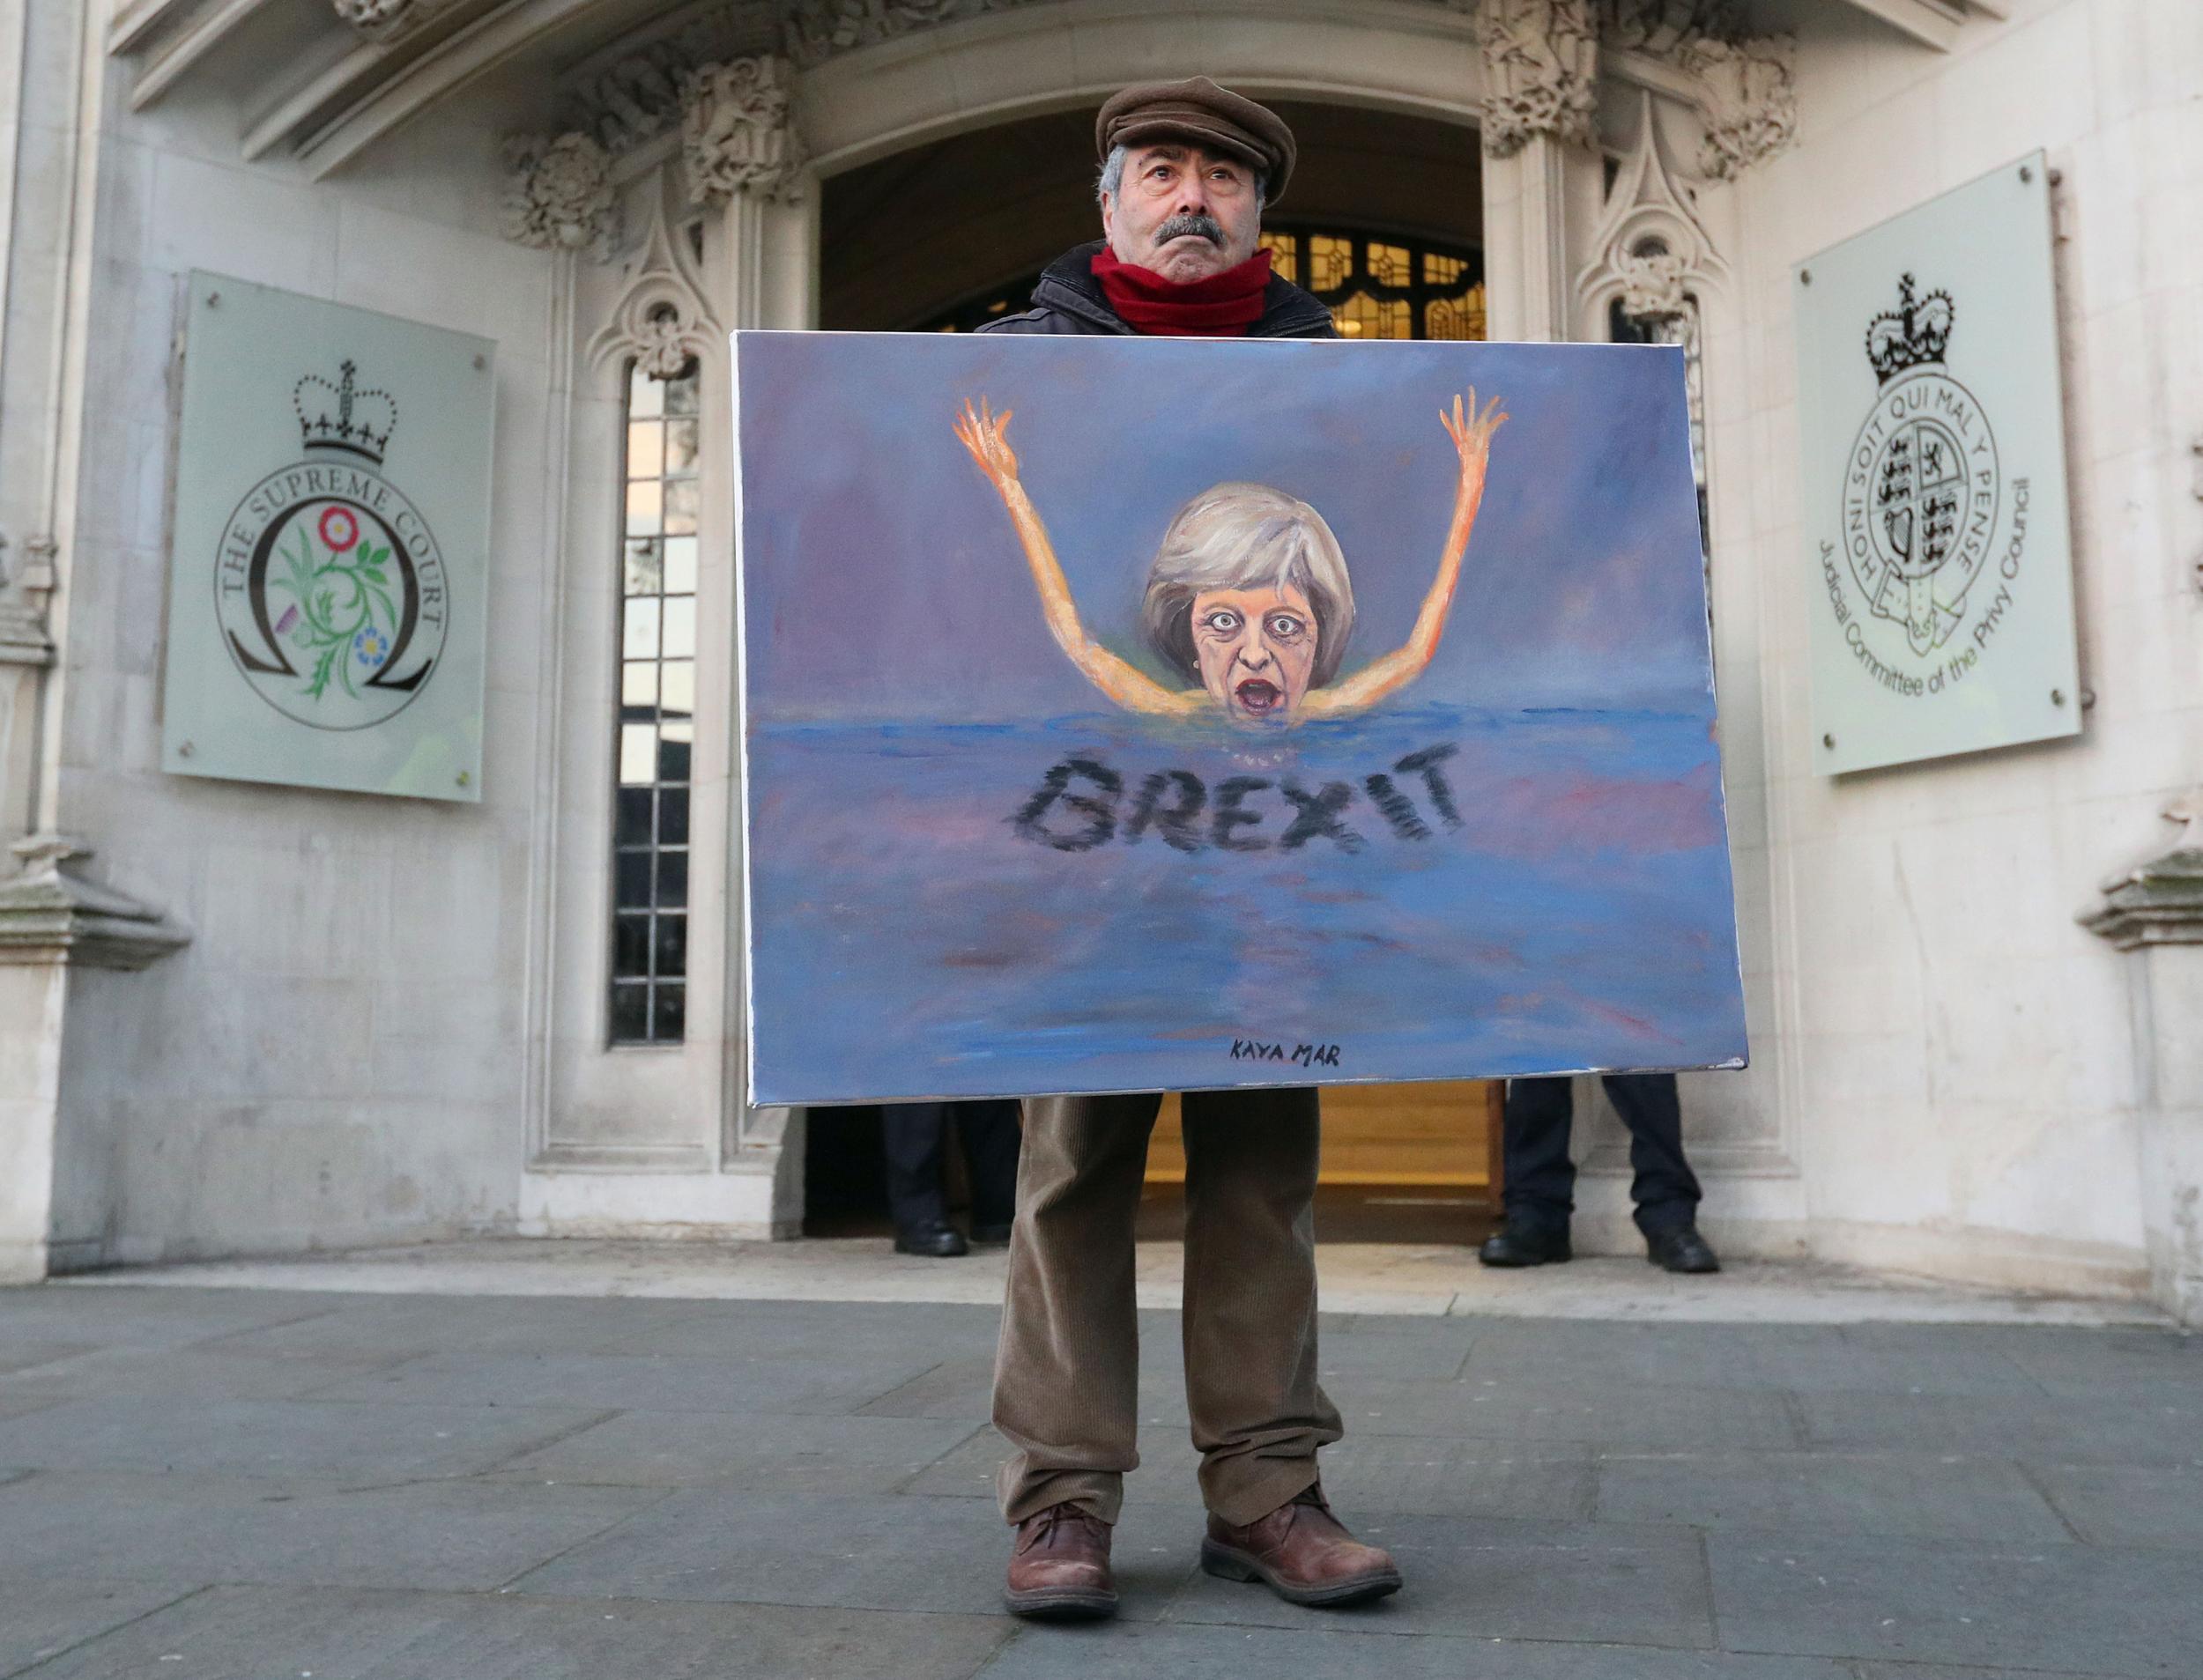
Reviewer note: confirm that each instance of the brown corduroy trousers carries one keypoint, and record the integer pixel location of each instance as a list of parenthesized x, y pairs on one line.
[(1067, 1372)]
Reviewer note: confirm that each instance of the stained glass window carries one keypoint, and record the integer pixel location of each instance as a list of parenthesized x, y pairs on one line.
[(1377, 286), (657, 709)]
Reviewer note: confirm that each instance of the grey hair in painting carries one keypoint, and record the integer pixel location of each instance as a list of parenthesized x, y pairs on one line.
[(1246, 537)]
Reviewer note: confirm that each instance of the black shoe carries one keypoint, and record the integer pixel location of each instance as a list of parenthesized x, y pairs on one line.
[(991, 1235), (1520, 1245), (935, 1242), (1681, 1248)]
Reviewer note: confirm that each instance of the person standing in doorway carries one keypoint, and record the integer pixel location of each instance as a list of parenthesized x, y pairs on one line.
[(1539, 1189), (1186, 170), (915, 1137)]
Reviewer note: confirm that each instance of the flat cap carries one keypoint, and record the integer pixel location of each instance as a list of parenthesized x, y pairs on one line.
[(1200, 111)]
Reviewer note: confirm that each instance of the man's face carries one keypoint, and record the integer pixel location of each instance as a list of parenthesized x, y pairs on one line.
[(1257, 648), (1185, 212)]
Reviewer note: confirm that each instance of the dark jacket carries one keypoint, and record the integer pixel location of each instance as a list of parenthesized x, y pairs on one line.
[(1070, 300)]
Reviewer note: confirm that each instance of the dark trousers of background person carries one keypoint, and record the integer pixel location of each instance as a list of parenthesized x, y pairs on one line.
[(1066, 1383), (915, 1136), (1540, 1179)]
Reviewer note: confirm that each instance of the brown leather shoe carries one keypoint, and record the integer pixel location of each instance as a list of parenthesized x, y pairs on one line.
[(1302, 1553), (1059, 1566)]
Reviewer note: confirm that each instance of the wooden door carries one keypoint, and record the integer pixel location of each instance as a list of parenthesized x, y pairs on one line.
[(1431, 1136)]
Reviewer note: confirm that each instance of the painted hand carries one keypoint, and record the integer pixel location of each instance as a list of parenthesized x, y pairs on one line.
[(982, 431), (1471, 434)]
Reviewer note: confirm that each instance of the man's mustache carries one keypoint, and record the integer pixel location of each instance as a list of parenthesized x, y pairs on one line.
[(1178, 226)]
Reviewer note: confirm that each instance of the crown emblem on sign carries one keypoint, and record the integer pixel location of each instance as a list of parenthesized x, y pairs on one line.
[(343, 417), (1913, 335)]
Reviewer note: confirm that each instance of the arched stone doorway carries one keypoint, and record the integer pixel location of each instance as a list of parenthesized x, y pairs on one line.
[(906, 239)]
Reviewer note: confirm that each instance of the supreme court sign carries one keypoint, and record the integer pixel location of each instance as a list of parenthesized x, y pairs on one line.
[(1933, 481), (330, 560)]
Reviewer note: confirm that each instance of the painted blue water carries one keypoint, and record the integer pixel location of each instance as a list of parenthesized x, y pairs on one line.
[(1571, 909)]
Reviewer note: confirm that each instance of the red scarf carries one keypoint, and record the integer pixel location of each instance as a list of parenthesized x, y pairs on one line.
[(1223, 306)]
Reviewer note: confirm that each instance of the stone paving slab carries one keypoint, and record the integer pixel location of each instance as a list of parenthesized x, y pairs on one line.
[(2128, 1505), (1168, 1463), (1940, 1359), (2167, 1427), (964, 1387), (2077, 1610), (1349, 1354), (42, 1618), (841, 1381), (282, 1438), (789, 1329), (1914, 1494), (767, 1453), (270, 1633), (21, 1353), (2094, 1361), (1432, 1475), (405, 1327), (1502, 1408), (1493, 1579), (906, 1552), (142, 1315), (206, 1371), (1174, 1652), (470, 1535), (430, 1487)]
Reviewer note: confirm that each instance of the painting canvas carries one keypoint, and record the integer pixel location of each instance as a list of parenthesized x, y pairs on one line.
[(1152, 714)]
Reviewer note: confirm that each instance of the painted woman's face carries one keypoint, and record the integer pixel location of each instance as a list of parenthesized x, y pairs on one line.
[(1257, 648)]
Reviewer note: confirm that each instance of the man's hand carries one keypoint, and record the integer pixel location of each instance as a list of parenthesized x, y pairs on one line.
[(1471, 434), (982, 431)]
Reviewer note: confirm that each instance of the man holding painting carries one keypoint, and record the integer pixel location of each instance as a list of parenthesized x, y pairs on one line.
[(1187, 168)]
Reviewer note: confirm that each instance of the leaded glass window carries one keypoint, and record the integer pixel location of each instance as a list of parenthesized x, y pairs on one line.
[(657, 709), (1377, 285)]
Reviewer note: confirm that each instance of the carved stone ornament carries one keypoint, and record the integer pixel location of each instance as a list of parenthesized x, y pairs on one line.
[(663, 322), (1651, 283), (1653, 250), (1751, 100), (48, 915), (1660, 28), (2159, 902), (636, 94), (559, 194), (816, 30), (23, 640), (388, 20), (1542, 72), (737, 136)]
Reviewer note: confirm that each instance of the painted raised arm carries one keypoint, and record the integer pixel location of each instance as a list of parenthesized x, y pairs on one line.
[(1471, 434), (984, 434)]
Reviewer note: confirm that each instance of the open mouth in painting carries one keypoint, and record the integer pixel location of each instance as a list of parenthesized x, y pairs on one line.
[(1258, 698)]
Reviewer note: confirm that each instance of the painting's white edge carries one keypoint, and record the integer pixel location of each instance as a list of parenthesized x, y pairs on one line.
[(741, 790)]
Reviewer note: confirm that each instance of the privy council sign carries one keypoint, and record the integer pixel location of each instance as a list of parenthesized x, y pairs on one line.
[(328, 599), (1933, 479)]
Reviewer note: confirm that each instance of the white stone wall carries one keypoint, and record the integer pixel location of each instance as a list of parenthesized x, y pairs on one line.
[(336, 1056), (1958, 1053), (1945, 1073)]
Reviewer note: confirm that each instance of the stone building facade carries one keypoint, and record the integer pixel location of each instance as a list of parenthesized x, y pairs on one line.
[(238, 1018)]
